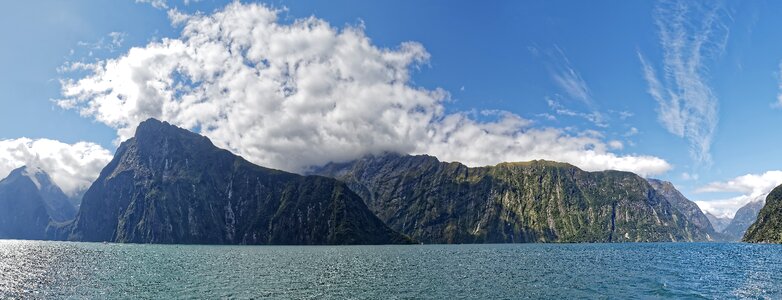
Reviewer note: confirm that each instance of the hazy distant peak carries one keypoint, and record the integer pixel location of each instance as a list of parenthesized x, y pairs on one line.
[(37, 175)]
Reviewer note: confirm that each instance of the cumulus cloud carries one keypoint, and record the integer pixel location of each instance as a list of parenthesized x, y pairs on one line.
[(300, 94), (72, 166), (752, 187), (690, 34), (459, 138)]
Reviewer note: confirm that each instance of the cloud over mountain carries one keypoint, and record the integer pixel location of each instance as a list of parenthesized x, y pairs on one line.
[(752, 187), (72, 166), (291, 95)]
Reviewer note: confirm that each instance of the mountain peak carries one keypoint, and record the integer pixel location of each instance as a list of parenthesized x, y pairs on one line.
[(659, 182), (159, 138), (154, 126), (184, 189), (38, 176), (32, 188)]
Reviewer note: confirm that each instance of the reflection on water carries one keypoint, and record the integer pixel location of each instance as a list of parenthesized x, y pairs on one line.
[(62, 270)]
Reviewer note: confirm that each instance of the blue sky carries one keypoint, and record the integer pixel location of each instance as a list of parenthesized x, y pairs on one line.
[(580, 68)]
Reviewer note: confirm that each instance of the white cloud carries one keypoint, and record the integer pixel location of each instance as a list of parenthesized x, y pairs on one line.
[(726, 208), (117, 38), (753, 187), (631, 132), (594, 117), (755, 184), (159, 4), (623, 115), (616, 145), (293, 95), (72, 166), (569, 79), (690, 33), (110, 43), (689, 176), (574, 86)]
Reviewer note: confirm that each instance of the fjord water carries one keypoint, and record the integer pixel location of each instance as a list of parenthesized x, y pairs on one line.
[(682, 270)]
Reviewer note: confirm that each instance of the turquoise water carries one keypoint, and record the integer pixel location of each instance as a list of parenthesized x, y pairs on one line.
[(30, 269)]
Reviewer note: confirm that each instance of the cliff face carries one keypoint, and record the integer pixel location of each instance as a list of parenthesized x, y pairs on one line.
[(689, 209), (539, 201), (29, 202), (719, 223), (745, 216), (169, 185), (768, 226)]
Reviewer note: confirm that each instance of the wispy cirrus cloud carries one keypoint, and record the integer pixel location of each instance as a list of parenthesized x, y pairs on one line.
[(570, 80), (573, 87), (594, 117), (691, 34)]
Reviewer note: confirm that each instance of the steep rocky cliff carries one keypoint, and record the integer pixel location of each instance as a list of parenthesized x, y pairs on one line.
[(538, 201), (768, 226), (689, 209), (169, 185)]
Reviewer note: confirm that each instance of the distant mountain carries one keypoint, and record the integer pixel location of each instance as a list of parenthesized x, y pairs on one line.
[(58, 205), (719, 223), (768, 225), (538, 201), (169, 185), (29, 201), (745, 216), (690, 210)]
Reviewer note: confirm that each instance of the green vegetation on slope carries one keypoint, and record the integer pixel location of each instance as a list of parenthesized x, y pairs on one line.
[(538, 201), (768, 225)]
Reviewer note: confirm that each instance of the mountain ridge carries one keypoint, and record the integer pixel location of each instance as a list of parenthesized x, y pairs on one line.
[(169, 185), (537, 201)]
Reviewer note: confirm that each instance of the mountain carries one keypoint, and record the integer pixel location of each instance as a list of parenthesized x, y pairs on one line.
[(169, 185), (719, 223), (688, 208), (29, 202), (58, 205), (537, 201), (745, 216), (768, 225)]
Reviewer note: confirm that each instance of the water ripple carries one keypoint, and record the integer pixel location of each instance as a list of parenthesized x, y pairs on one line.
[(32, 269)]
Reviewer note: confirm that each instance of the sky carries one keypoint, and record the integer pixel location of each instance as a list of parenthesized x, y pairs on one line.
[(678, 90)]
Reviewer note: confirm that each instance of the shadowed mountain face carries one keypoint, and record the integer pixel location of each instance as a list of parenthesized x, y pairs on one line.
[(719, 223), (745, 216), (539, 201), (29, 200), (58, 205), (169, 185), (767, 227)]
